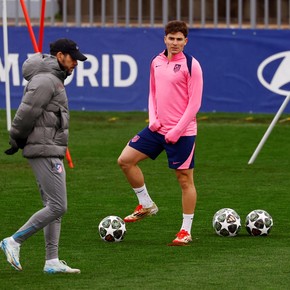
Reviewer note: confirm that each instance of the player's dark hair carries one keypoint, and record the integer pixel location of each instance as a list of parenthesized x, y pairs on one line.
[(176, 26)]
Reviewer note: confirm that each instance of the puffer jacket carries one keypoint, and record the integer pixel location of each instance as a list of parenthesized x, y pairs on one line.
[(42, 117)]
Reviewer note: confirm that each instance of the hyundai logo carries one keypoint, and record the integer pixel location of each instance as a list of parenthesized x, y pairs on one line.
[(274, 73)]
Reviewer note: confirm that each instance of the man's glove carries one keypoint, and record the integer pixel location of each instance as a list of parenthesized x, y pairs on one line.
[(21, 143), (15, 145), (11, 151)]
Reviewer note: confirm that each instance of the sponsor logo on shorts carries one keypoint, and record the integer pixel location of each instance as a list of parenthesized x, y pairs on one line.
[(135, 138)]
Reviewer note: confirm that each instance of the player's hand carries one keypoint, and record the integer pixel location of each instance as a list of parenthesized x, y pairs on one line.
[(21, 143), (15, 145), (172, 136), (155, 126), (18, 143), (11, 151)]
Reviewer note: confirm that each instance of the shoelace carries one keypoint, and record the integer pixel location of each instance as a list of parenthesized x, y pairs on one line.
[(63, 262), (182, 234), (139, 207)]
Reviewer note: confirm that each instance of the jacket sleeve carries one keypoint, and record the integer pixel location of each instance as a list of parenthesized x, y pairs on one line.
[(37, 95), (195, 87)]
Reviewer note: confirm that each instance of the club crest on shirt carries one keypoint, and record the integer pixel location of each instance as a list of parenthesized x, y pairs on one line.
[(177, 68), (135, 138)]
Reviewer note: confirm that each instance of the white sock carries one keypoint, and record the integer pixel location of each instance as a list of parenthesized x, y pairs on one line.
[(187, 222), (143, 196), (52, 261)]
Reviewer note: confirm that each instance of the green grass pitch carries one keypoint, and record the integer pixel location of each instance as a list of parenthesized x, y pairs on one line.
[(97, 188)]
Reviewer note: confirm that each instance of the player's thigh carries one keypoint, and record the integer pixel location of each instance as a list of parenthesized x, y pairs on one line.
[(181, 154), (51, 178), (130, 155)]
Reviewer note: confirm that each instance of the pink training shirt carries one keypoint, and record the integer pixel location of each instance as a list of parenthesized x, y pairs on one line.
[(174, 96)]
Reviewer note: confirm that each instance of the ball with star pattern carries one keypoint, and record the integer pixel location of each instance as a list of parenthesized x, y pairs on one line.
[(259, 223), (112, 229), (226, 222)]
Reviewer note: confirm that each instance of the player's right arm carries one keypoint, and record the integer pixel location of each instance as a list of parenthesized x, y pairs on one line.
[(154, 123), (38, 93)]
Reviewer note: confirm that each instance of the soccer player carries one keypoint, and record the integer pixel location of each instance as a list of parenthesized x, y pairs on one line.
[(40, 128), (175, 95)]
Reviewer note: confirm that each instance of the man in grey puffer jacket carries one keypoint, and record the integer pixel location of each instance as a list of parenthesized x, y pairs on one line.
[(40, 128)]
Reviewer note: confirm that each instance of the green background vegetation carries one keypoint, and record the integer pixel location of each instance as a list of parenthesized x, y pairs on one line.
[(97, 188)]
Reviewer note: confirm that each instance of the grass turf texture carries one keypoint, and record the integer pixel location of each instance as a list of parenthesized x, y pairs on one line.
[(97, 188)]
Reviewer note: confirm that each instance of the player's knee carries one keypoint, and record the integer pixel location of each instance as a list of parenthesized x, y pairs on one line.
[(185, 180), (58, 210), (122, 162)]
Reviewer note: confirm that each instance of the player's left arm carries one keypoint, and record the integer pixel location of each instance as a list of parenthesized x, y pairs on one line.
[(195, 87)]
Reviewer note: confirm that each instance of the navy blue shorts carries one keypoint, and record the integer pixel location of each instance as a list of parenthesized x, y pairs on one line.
[(180, 155)]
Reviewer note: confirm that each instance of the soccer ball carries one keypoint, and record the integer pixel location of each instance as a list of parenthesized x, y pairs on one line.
[(226, 222), (259, 223), (112, 229)]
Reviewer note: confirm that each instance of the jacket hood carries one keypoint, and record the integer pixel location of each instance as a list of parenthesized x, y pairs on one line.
[(42, 63)]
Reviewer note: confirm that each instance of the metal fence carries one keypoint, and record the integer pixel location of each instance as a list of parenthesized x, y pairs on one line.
[(272, 14)]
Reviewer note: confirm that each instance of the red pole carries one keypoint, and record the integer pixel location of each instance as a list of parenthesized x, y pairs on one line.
[(68, 158), (41, 25), (31, 33)]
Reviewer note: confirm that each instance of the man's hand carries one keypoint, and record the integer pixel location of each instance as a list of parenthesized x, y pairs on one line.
[(172, 136), (21, 143), (15, 145), (11, 151), (155, 126)]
